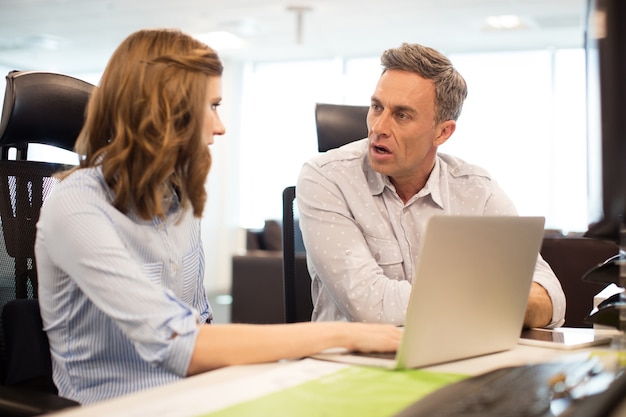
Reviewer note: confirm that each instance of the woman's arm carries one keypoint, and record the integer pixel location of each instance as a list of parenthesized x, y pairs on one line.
[(235, 344)]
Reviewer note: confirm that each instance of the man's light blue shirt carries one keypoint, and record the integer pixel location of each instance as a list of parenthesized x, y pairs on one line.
[(362, 240)]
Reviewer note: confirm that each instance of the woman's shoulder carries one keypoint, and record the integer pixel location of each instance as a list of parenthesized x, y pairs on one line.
[(80, 186), (81, 178)]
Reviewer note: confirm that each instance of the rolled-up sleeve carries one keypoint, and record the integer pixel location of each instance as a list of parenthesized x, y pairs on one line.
[(545, 277)]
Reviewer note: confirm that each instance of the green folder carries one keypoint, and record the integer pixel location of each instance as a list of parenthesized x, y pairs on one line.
[(353, 391)]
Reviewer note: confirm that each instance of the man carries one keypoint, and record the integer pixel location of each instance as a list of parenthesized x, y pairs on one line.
[(364, 207)]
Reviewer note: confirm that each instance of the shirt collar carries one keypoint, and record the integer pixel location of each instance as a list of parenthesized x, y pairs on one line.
[(377, 182), (434, 184)]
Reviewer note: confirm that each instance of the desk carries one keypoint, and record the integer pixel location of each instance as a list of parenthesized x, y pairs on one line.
[(201, 394)]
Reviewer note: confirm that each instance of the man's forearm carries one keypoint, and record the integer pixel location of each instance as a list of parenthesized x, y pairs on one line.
[(539, 308)]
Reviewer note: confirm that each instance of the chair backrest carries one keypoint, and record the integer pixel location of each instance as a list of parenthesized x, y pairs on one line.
[(28, 389), (296, 279), (570, 258), (336, 125), (339, 124), (27, 348), (43, 108)]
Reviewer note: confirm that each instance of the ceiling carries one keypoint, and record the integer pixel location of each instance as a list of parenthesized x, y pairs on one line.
[(78, 36)]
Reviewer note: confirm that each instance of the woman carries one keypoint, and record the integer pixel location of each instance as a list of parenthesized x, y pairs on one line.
[(118, 248)]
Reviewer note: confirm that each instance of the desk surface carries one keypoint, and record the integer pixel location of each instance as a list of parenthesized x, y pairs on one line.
[(203, 394)]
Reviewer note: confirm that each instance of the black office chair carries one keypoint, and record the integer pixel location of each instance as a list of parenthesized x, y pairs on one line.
[(336, 125), (49, 109), (296, 279), (27, 350), (339, 124), (570, 258)]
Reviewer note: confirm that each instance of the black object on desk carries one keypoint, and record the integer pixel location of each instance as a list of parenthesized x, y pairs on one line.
[(608, 311), (528, 391)]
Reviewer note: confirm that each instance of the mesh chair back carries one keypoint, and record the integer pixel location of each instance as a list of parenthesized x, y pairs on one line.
[(44, 108), (23, 187)]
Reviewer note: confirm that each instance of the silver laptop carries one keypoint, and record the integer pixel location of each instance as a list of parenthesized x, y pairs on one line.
[(470, 291)]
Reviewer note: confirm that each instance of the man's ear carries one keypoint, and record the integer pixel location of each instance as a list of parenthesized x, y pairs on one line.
[(445, 130)]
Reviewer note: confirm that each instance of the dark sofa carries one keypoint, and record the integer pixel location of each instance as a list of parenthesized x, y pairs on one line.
[(257, 276)]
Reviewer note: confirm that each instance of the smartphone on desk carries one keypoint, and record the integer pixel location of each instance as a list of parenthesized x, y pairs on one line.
[(563, 338)]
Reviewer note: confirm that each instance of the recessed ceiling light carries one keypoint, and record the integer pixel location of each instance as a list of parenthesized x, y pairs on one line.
[(221, 41), (504, 22)]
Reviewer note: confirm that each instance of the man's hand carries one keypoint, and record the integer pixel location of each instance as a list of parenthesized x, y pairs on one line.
[(539, 307)]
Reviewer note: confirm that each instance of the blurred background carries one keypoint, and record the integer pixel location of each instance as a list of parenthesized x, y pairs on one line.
[(524, 119)]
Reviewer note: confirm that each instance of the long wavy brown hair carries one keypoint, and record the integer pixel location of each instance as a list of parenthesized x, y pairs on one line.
[(144, 122)]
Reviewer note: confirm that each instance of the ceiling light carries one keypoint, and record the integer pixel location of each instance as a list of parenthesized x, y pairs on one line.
[(504, 22), (221, 41)]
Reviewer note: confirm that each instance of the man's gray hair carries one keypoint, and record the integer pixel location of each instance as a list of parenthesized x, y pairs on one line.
[(450, 87)]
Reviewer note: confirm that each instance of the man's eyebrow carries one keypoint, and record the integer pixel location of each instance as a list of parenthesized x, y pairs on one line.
[(404, 109)]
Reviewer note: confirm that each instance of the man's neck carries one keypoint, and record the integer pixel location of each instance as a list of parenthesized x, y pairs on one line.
[(407, 187)]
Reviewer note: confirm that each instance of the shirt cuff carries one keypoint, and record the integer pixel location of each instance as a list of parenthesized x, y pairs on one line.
[(180, 351)]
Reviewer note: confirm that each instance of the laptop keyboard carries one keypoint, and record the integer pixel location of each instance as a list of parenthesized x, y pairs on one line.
[(379, 355), (540, 390)]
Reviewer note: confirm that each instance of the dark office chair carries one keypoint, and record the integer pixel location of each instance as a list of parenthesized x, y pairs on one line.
[(339, 124), (570, 258), (336, 126), (296, 279), (49, 109), (27, 348)]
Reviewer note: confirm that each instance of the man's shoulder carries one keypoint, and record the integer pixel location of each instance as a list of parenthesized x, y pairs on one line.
[(353, 151), (458, 167)]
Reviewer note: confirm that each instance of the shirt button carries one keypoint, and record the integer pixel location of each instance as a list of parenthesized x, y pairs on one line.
[(173, 267), (377, 257), (348, 252)]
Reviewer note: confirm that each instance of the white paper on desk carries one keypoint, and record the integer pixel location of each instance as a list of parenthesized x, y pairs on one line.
[(213, 397)]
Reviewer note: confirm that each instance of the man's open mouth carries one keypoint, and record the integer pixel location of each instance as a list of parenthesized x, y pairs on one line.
[(380, 149)]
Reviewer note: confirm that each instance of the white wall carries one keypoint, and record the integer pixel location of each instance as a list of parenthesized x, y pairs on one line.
[(222, 235)]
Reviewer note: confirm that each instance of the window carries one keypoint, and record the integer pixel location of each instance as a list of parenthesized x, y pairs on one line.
[(278, 130), (524, 121)]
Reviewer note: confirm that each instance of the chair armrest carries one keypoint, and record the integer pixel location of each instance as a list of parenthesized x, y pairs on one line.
[(24, 402)]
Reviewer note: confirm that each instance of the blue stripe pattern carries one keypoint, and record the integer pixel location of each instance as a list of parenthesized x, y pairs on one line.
[(121, 298)]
